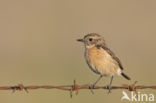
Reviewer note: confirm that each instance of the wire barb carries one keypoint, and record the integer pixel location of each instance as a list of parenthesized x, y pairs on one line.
[(75, 87)]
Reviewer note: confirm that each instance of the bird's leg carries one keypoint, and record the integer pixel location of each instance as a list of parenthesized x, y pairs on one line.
[(109, 86), (92, 85)]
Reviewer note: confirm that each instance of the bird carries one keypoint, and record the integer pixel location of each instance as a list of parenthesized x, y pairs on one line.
[(100, 59)]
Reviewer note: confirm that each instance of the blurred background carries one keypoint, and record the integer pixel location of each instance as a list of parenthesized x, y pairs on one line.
[(38, 46)]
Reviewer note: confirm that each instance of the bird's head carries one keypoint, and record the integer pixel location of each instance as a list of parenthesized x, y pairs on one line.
[(92, 39)]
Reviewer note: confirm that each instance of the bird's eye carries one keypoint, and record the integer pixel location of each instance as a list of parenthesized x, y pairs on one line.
[(90, 39)]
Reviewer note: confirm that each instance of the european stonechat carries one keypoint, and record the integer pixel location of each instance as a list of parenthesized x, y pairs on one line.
[(100, 58)]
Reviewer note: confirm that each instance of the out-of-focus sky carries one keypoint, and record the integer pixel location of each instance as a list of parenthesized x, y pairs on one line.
[(38, 46)]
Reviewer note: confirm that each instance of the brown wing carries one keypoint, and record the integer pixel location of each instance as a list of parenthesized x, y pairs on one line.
[(112, 54)]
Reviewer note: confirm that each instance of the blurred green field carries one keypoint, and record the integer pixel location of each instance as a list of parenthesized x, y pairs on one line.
[(38, 46)]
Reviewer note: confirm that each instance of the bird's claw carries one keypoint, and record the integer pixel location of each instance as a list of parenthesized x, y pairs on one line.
[(91, 87), (109, 88)]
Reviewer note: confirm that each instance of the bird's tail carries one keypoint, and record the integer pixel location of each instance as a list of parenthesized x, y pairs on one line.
[(125, 76)]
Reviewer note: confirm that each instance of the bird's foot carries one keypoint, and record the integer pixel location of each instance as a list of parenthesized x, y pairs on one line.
[(91, 87), (109, 88)]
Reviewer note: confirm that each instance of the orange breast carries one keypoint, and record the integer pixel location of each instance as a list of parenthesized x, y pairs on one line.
[(100, 61)]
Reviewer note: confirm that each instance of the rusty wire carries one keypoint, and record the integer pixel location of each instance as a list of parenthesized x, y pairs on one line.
[(75, 87)]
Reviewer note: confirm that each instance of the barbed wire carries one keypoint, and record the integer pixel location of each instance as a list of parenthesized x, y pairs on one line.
[(75, 87)]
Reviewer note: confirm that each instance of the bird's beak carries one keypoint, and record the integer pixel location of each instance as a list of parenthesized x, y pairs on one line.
[(80, 40)]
